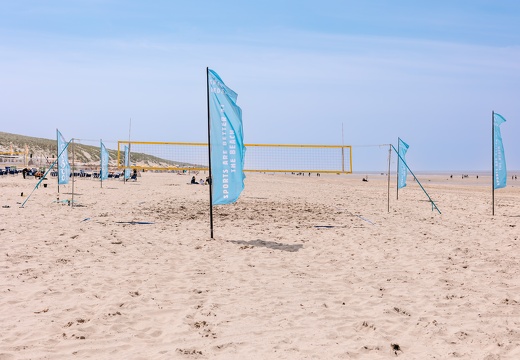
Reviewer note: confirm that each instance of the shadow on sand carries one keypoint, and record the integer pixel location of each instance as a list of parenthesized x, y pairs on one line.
[(269, 244)]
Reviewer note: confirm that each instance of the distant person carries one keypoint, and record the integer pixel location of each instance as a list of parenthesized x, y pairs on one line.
[(208, 181), (134, 175), (201, 181), (193, 181), (24, 172)]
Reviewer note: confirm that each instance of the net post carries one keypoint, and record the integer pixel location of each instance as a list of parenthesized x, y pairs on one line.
[(209, 159), (493, 163), (389, 159)]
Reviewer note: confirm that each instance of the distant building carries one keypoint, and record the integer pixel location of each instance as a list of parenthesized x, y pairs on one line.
[(12, 159)]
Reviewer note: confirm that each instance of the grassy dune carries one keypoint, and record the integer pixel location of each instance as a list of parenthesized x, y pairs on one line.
[(83, 154)]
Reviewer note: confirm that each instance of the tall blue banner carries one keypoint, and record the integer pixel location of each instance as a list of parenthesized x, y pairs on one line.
[(500, 175), (104, 163), (127, 163), (63, 160), (227, 149), (401, 165)]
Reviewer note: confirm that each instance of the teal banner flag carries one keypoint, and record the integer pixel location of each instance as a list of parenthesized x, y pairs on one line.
[(103, 173), (227, 149), (500, 175), (63, 160), (127, 163), (402, 170)]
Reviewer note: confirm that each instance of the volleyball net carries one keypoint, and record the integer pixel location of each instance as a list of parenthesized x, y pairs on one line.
[(184, 156)]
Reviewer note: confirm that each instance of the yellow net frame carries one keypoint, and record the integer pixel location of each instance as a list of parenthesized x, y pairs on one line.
[(193, 156)]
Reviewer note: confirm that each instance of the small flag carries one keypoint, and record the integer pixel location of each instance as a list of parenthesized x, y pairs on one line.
[(500, 175), (401, 165), (104, 163), (63, 160), (127, 163), (227, 144)]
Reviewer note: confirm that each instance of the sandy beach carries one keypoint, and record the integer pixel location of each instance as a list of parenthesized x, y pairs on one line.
[(299, 268)]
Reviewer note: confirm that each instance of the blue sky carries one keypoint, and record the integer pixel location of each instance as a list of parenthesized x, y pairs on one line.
[(429, 72)]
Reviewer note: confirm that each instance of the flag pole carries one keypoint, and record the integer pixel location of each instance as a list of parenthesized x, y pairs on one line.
[(101, 161), (389, 158), (398, 149), (209, 159), (73, 170), (493, 163), (129, 144), (129, 149), (57, 155)]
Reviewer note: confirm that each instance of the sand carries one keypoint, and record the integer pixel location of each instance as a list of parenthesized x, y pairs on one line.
[(299, 268)]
